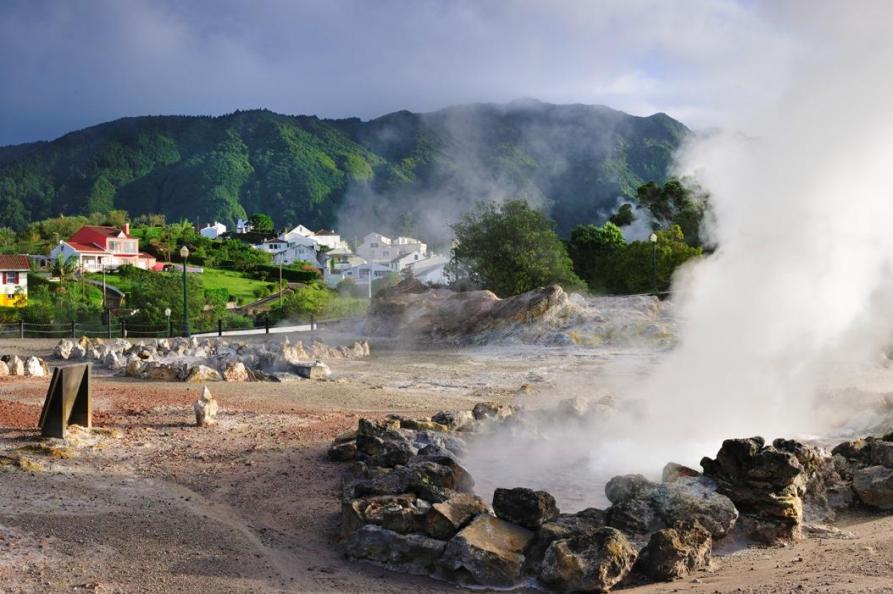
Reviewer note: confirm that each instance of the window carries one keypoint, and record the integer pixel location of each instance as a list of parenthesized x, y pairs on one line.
[(10, 278), (373, 244)]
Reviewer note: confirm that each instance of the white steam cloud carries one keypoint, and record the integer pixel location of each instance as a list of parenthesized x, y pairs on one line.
[(798, 297)]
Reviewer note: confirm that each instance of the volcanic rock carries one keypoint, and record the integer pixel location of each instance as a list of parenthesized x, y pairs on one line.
[(874, 486), (63, 349), (422, 425), (673, 471), (593, 563), (202, 373), (642, 507), (160, 372), (343, 452), (315, 370), (583, 524), (134, 367), (448, 517), (408, 553), (765, 484), (525, 507), (489, 552), (400, 513), (35, 367), (491, 410), (881, 453), (415, 311), (205, 409), (455, 420), (16, 365), (235, 372), (4, 369), (674, 553)]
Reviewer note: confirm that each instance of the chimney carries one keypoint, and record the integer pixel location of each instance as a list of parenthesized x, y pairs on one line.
[(127, 229)]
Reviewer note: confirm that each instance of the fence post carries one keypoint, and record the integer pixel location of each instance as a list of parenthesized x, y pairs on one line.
[(312, 325), (108, 323), (123, 328), (73, 331), (266, 324), (170, 328), (219, 327), (21, 328)]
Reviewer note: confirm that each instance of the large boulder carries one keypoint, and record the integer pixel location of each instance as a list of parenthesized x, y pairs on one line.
[(4, 369), (446, 518), (236, 372), (583, 524), (408, 553), (593, 563), (488, 552), (403, 513), (35, 367), (525, 507), (162, 372), (455, 420), (641, 506), (674, 553), (64, 348), (442, 314), (874, 486), (202, 373), (314, 370), (16, 365), (765, 483)]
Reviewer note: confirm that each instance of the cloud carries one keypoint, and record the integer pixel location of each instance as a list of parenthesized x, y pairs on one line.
[(68, 64)]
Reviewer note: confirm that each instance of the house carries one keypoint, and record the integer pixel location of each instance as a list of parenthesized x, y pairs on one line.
[(243, 226), (213, 231), (340, 259), (431, 271), (361, 274), (329, 239), (404, 260), (96, 248), (296, 233), (14, 281), (381, 248)]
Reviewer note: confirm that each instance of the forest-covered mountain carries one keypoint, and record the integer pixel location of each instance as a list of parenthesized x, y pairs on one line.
[(402, 172)]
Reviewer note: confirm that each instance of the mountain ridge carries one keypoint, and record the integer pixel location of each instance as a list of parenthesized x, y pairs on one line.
[(403, 171)]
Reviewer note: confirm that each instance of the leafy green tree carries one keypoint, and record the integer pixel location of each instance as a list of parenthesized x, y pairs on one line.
[(593, 251), (636, 264), (311, 299), (509, 249), (153, 292), (675, 204), (261, 222)]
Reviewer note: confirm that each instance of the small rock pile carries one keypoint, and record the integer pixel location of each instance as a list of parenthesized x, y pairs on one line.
[(208, 360), (13, 365), (408, 505)]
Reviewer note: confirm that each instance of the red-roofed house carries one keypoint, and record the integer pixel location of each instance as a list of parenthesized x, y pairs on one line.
[(14, 281), (97, 247)]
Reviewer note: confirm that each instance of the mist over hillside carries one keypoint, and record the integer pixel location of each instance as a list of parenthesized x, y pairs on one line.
[(402, 173)]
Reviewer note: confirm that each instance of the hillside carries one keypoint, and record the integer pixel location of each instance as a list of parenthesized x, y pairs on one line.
[(402, 172)]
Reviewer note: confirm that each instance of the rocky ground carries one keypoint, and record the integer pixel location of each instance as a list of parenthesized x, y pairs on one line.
[(153, 504)]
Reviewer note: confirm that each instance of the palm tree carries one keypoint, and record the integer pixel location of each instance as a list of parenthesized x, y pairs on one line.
[(64, 268)]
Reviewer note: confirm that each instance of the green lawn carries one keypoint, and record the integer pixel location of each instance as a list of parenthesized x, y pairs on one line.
[(235, 284)]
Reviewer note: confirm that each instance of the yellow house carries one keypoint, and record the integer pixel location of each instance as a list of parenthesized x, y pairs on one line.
[(14, 281)]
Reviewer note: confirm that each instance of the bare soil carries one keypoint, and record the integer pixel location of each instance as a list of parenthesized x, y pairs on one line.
[(152, 504)]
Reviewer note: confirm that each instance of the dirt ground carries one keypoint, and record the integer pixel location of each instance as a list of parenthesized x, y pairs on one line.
[(153, 504)]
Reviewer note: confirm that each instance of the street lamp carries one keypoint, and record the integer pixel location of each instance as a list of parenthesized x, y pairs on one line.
[(653, 240), (167, 314), (184, 253)]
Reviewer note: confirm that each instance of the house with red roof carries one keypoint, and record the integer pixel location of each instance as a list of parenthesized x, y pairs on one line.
[(14, 281), (96, 248)]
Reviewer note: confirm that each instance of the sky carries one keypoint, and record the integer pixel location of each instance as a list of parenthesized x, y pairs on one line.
[(68, 64)]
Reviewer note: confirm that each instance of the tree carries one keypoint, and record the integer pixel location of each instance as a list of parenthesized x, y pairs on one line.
[(632, 272), (64, 268), (675, 204), (624, 215), (593, 251), (261, 222), (510, 248)]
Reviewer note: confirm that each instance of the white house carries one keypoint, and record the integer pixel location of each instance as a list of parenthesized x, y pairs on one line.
[(243, 226), (381, 248), (360, 274), (288, 252), (431, 270), (213, 231), (329, 239), (295, 233), (404, 260)]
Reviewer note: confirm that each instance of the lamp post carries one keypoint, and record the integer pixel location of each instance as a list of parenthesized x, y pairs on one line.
[(167, 314), (653, 240), (184, 253)]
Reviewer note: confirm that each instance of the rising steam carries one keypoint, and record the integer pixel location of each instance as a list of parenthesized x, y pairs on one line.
[(798, 300)]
